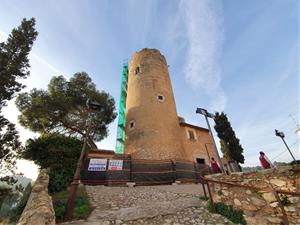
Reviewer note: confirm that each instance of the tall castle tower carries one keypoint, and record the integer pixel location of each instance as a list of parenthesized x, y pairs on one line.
[(152, 125)]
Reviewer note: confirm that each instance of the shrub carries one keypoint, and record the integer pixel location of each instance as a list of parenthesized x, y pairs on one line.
[(59, 179), (60, 209), (57, 152)]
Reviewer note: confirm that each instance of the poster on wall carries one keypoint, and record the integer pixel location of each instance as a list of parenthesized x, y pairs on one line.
[(115, 164), (97, 165)]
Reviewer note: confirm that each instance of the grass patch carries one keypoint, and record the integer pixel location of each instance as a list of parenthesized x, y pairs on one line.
[(259, 194), (203, 198), (82, 208), (285, 201), (235, 216)]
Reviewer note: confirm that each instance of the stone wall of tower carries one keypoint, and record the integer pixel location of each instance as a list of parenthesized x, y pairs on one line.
[(152, 126)]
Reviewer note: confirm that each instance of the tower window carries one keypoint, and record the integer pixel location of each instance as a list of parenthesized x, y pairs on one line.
[(191, 135), (131, 124), (161, 98), (137, 70)]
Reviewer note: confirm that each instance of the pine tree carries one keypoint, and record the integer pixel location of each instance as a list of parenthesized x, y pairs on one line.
[(62, 108), (231, 144), (14, 65)]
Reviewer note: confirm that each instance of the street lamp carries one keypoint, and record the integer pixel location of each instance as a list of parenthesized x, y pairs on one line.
[(207, 150), (281, 135), (91, 105), (207, 115)]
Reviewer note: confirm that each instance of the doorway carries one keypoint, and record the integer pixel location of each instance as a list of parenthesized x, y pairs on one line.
[(200, 160)]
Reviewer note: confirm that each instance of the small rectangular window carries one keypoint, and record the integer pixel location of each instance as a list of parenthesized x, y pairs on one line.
[(137, 70), (200, 160), (191, 135)]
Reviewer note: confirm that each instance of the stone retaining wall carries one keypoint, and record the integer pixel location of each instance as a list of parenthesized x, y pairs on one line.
[(260, 206), (39, 209)]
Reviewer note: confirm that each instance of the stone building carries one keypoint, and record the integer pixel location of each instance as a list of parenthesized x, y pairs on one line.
[(153, 129)]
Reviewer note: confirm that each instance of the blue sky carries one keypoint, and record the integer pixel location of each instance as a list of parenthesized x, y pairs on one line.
[(238, 56)]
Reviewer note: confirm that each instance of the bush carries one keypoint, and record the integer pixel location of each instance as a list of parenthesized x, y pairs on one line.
[(56, 152), (60, 209), (236, 216), (59, 179)]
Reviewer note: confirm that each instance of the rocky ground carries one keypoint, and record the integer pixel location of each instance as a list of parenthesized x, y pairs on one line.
[(163, 205)]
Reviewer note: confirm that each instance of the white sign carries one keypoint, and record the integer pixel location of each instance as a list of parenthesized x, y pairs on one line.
[(115, 164), (97, 165)]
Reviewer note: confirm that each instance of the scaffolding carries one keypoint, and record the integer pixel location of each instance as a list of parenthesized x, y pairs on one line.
[(122, 112)]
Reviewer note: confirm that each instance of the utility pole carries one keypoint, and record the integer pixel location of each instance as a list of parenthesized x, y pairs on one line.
[(76, 179), (75, 183), (206, 114)]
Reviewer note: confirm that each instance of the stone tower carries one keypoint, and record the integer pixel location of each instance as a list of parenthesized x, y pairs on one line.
[(152, 125)]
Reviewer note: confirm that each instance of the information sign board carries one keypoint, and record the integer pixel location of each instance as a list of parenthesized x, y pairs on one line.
[(115, 164), (97, 165)]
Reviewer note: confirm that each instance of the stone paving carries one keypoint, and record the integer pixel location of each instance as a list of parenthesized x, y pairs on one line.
[(151, 205)]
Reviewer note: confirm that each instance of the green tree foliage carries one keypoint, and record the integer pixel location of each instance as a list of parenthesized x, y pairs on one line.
[(56, 152), (14, 62), (232, 147), (225, 149), (14, 65), (9, 143), (62, 108)]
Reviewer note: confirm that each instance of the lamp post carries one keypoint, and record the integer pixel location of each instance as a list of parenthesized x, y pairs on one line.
[(207, 150), (76, 179), (207, 115), (281, 135)]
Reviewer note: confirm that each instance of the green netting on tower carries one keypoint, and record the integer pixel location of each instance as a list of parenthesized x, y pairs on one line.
[(122, 113)]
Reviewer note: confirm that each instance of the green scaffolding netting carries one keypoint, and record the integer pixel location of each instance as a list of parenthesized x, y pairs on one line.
[(122, 113)]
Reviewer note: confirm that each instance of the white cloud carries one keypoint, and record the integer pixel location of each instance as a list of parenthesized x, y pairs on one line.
[(203, 22)]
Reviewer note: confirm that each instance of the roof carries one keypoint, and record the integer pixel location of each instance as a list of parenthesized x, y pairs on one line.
[(102, 151), (193, 126)]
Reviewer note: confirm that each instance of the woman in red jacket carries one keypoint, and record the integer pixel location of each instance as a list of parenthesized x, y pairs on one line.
[(214, 165), (264, 161)]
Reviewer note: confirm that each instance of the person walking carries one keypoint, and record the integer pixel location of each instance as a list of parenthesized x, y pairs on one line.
[(214, 165), (264, 161)]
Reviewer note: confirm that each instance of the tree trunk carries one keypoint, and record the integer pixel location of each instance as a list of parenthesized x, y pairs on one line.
[(91, 144)]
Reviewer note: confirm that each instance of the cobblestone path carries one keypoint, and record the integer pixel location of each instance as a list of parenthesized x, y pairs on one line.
[(151, 205)]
